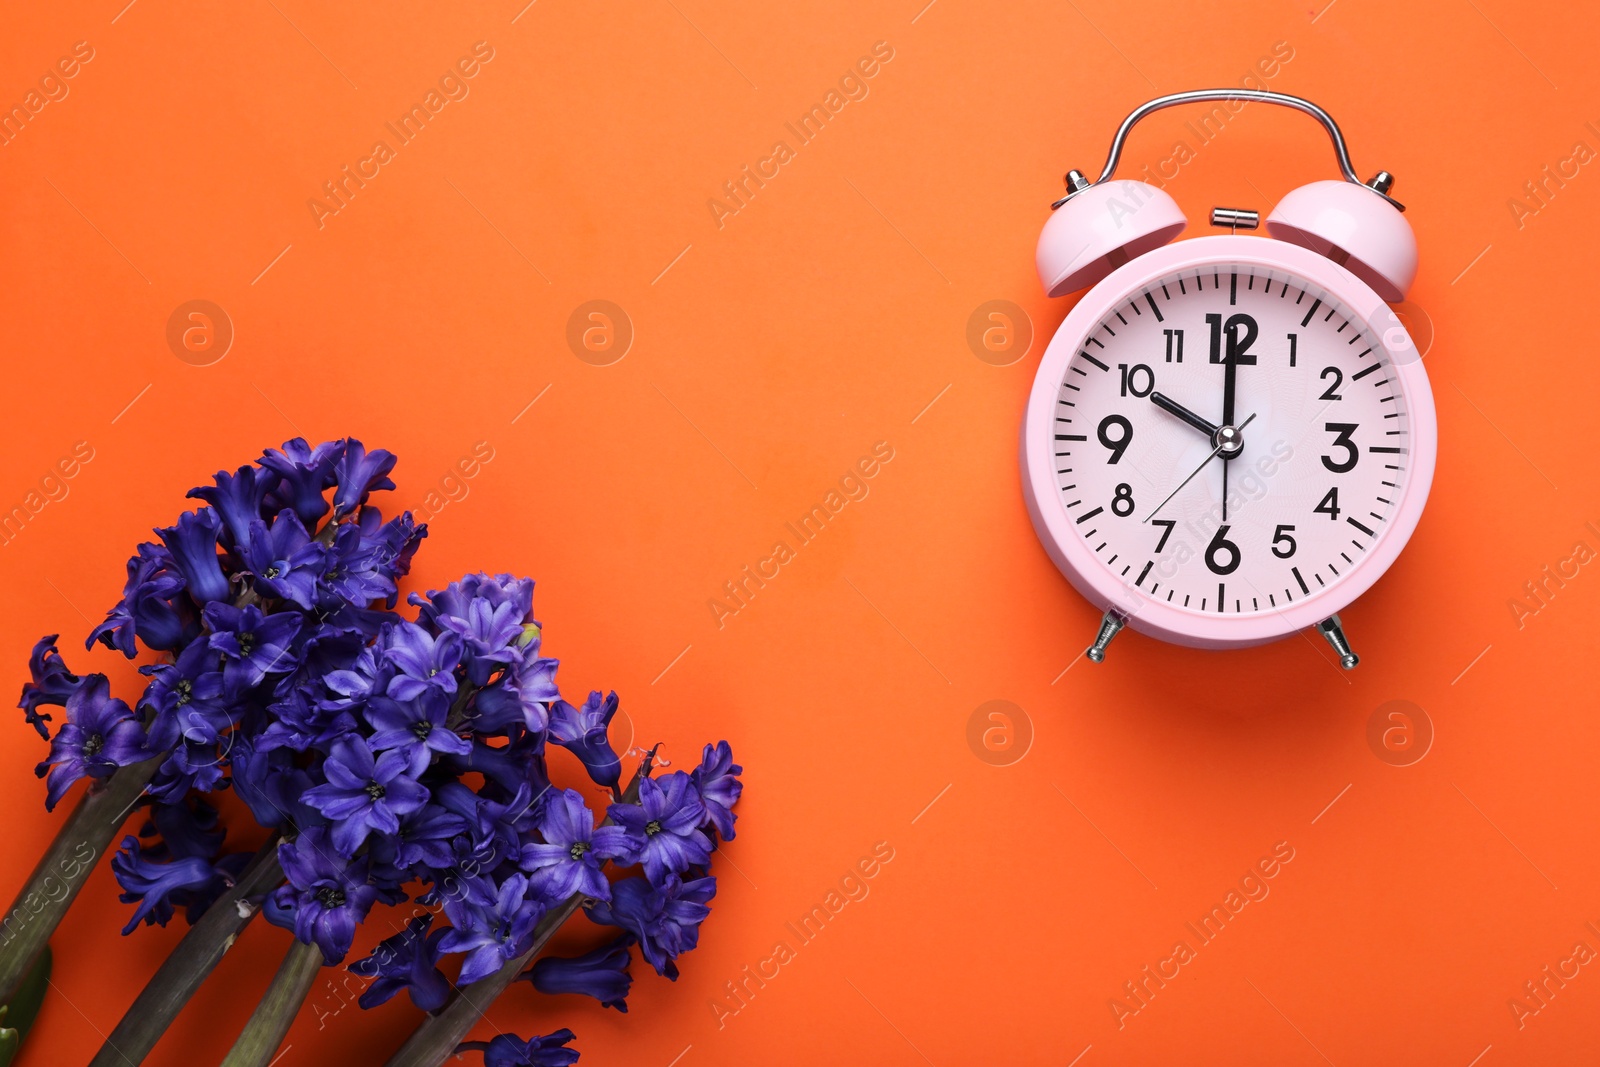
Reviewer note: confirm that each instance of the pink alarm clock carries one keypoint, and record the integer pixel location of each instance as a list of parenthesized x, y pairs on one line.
[(1230, 438)]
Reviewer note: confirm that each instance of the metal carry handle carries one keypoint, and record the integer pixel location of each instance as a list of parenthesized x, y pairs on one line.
[(1380, 183)]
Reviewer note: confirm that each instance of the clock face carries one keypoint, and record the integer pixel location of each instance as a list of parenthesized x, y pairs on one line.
[(1232, 505)]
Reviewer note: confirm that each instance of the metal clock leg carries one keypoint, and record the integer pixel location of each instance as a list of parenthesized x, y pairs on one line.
[(1334, 632), (1110, 625)]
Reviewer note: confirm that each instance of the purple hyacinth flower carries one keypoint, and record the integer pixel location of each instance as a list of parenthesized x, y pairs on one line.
[(521, 698), (582, 731), (493, 831), (360, 568), (358, 474), (188, 829), (270, 783), (187, 697), (415, 729), (287, 563), (145, 567), (237, 498), (509, 1050), (153, 608), (508, 766), (666, 920), (570, 858), (193, 763), (351, 686), (356, 621), (422, 662), (99, 736), (326, 648), (489, 614), (399, 539), (252, 644), (491, 935), (193, 544), (490, 635), (163, 618), (52, 684), (664, 827), (155, 884), (191, 829), (201, 716), (454, 599), (426, 837), (459, 891), (327, 896), (299, 723), (601, 974), (717, 782), (408, 960), (304, 474), (363, 794)]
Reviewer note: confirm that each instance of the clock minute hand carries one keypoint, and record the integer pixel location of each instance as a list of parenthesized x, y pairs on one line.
[(1230, 379), (1211, 456), (1230, 376), (1171, 406)]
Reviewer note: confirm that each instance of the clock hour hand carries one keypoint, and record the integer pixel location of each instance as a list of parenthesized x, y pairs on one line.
[(1230, 381), (1171, 406)]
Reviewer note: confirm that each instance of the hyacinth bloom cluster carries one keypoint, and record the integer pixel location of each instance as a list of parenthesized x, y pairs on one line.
[(397, 758), (236, 598)]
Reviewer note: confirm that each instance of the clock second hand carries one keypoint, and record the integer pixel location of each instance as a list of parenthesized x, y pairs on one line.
[(1225, 466), (1197, 470)]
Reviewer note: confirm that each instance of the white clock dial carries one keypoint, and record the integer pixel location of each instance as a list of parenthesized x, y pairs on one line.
[(1325, 440)]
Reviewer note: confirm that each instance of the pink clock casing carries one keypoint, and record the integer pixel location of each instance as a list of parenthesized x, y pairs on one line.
[(1156, 617)]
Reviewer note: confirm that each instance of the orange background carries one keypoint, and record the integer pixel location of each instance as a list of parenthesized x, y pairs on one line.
[(769, 355)]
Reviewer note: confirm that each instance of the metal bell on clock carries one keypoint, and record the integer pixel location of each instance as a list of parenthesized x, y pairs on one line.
[(1097, 228), (1356, 226)]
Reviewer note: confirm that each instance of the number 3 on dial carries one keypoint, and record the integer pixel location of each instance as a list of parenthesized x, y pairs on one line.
[(1341, 439)]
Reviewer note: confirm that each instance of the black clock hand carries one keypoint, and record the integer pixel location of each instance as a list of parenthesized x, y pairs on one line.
[(1230, 441), (1230, 376), (1225, 466), (1171, 406), (1229, 381)]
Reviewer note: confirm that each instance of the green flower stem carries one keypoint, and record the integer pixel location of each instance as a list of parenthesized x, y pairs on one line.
[(271, 1020), (16, 1018), (63, 869), (190, 963), (435, 1039)]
